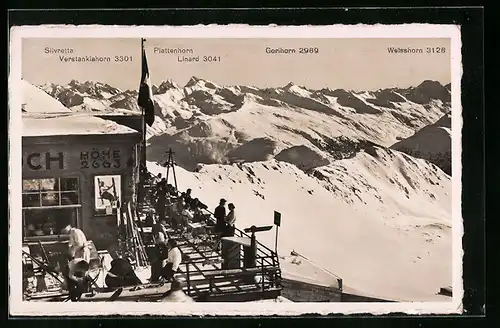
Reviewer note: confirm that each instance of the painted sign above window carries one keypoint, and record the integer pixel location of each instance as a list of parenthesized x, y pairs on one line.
[(100, 158), (45, 161), (95, 159)]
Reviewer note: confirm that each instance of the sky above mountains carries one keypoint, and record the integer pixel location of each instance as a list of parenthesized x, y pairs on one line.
[(358, 64)]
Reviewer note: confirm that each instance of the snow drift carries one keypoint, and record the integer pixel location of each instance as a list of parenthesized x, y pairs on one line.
[(37, 101), (44, 115)]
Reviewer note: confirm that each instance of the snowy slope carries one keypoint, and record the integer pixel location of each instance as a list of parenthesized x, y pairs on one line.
[(44, 115), (370, 224), (37, 101)]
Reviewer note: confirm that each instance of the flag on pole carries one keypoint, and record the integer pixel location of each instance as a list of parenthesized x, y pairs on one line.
[(145, 99)]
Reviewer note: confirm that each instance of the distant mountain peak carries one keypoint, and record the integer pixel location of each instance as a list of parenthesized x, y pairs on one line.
[(430, 83), (192, 81), (165, 86)]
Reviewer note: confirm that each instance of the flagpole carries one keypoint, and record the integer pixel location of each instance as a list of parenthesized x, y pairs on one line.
[(143, 119), (143, 153), (146, 103)]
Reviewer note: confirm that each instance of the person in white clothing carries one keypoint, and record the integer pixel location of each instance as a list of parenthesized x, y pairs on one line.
[(78, 245), (230, 220), (187, 217), (174, 259)]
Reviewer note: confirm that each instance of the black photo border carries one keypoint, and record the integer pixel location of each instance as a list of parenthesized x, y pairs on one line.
[(471, 21)]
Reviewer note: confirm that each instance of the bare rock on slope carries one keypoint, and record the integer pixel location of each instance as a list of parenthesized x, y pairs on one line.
[(303, 157), (427, 91), (347, 99), (189, 152), (256, 150), (432, 143), (386, 98)]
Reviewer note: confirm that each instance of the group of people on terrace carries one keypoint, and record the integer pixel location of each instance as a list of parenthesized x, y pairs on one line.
[(171, 207), (180, 209), (121, 273)]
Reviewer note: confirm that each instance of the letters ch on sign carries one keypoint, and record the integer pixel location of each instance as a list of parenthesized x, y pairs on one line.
[(97, 158), (47, 161)]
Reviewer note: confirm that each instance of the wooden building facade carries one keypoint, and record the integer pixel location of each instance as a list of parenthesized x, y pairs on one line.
[(77, 170)]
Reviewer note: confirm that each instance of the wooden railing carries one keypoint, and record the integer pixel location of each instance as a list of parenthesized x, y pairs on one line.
[(204, 282), (209, 283), (265, 276)]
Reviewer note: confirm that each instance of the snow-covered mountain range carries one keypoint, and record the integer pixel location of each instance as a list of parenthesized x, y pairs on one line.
[(362, 179), (208, 123)]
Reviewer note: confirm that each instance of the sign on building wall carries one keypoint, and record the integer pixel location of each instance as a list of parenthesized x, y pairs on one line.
[(40, 161), (100, 158), (107, 194), (39, 158)]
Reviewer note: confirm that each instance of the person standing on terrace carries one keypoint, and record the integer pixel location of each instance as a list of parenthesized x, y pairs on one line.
[(78, 246), (220, 215), (230, 220), (161, 195)]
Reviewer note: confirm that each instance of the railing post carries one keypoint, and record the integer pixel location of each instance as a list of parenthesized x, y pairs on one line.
[(188, 278), (262, 277)]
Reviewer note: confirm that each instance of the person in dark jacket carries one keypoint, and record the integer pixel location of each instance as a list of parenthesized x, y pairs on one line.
[(186, 196), (220, 215), (161, 201), (121, 274), (160, 255), (76, 277)]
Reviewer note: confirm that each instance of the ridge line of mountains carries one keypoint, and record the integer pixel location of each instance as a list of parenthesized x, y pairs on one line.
[(192, 116)]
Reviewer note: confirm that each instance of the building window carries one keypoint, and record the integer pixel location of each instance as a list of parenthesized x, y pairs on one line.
[(49, 205), (107, 191)]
